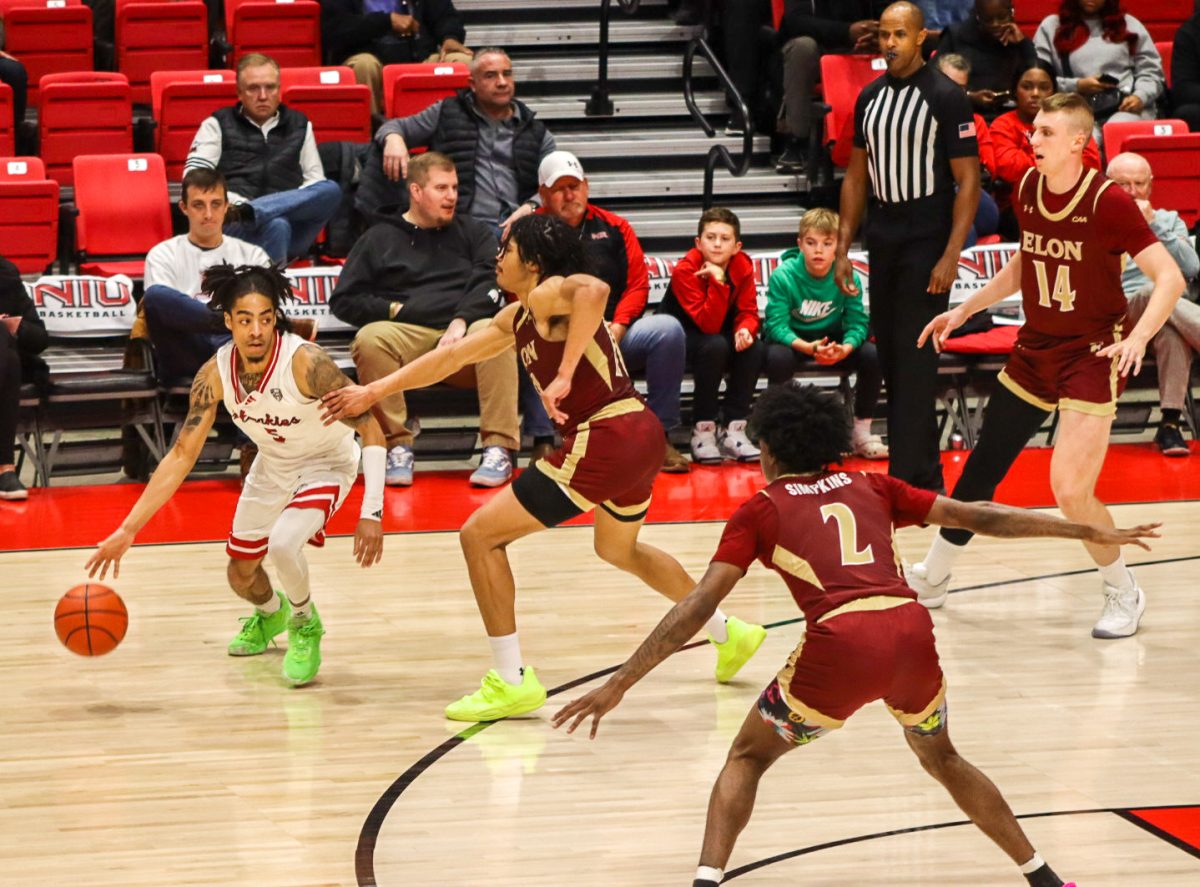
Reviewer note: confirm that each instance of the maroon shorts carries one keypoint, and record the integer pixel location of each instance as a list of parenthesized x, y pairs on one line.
[(873, 648), (1051, 372)]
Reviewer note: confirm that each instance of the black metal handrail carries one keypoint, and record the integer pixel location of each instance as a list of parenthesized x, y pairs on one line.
[(600, 104), (717, 153)]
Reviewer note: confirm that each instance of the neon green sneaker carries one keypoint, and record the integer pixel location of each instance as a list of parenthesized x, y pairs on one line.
[(496, 698), (303, 656), (259, 631), (744, 641)]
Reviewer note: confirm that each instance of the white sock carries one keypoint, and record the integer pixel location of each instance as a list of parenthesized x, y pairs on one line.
[(1117, 574), (862, 429), (1033, 865), (708, 873), (715, 627), (506, 653), (271, 606), (303, 609), (939, 561)]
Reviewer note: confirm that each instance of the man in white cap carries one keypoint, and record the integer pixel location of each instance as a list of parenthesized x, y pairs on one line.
[(650, 343)]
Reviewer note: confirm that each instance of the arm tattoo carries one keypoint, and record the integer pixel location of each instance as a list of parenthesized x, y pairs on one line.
[(675, 629), (201, 399), (323, 376)]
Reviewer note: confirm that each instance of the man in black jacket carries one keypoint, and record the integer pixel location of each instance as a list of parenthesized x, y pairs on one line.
[(998, 52), (368, 34), (1185, 72), (421, 281), (22, 339)]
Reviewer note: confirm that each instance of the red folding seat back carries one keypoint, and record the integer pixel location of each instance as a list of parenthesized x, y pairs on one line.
[(22, 169), (7, 139), (53, 36), (1116, 133), (113, 236), (1174, 160), (1166, 49), (842, 79), (160, 79), (289, 31), (408, 89), (1029, 14), (83, 117), (333, 75), (156, 36), (337, 113), (28, 214), (183, 106)]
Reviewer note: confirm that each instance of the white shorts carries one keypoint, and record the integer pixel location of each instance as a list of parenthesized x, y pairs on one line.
[(263, 500)]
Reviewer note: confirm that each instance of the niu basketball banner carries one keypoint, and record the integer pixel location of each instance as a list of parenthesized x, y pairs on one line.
[(84, 306)]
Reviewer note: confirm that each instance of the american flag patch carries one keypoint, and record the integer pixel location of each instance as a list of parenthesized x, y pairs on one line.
[(966, 130)]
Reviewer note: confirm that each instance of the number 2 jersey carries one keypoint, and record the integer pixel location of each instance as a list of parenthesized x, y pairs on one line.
[(1073, 249), (828, 535)]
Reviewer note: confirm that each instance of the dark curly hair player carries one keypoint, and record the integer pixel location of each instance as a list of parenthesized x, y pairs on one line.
[(827, 532)]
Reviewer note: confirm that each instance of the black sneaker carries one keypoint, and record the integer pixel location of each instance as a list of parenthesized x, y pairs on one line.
[(11, 486), (793, 161), (1170, 442)]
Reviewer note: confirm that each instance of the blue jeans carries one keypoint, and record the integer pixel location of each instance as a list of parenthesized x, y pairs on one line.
[(534, 421), (987, 219), (184, 332), (656, 344), (287, 222)]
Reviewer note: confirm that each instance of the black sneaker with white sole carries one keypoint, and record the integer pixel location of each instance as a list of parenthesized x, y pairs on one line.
[(1170, 442), (11, 487)]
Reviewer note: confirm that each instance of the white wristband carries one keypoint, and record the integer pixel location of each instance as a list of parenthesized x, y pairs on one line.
[(374, 464)]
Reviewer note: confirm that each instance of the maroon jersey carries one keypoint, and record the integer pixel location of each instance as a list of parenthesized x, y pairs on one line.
[(600, 378), (1073, 248), (829, 536)]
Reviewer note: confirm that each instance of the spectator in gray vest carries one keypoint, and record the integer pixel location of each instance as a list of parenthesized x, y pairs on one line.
[(495, 141), (279, 197)]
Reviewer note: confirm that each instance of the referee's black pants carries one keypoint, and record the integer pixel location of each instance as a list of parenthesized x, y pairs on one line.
[(904, 242)]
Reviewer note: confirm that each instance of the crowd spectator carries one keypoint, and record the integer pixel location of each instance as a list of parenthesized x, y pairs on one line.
[(714, 297), (1185, 72), (987, 214), (278, 195), (420, 281), (183, 331), (809, 320), (495, 141), (995, 49), (942, 14), (13, 73), (1107, 56), (22, 339), (1178, 340), (653, 343), (368, 34)]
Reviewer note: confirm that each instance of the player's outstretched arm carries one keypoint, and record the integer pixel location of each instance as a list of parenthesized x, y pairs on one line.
[(582, 298), (1157, 264), (1003, 285), (354, 400), (170, 473), (676, 628), (994, 519)]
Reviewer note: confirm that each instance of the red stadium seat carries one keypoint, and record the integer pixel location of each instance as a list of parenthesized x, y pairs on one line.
[(1174, 159), (156, 36), (86, 115), (1029, 14), (1117, 133), (287, 31), (7, 140), (1162, 18), (28, 214), (113, 236), (180, 101), (843, 78), (333, 75), (408, 89), (47, 36), (1166, 49), (337, 113)]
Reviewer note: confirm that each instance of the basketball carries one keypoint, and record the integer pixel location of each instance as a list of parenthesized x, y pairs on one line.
[(90, 619)]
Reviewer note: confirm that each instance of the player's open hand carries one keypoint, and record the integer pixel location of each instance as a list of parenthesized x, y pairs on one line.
[(346, 402), (843, 276), (368, 542), (597, 704), (1122, 536), (1129, 353), (109, 552), (552, 394), (940, 328)]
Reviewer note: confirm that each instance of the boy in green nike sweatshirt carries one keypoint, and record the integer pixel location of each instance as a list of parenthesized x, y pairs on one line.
[(809, 320)]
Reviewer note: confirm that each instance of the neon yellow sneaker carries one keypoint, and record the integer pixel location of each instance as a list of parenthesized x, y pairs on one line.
[(744, 641), (303, 656), (496, 698), (259, 631)]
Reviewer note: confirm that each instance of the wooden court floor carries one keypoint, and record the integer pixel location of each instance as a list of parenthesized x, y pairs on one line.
[(169, 763)]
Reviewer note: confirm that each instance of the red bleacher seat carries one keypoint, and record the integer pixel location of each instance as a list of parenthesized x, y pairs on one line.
[(1029, 14), (843, 78), (1166, 50), (47, 36), (332, 75), (86, 112), (28, 214), (337, 113), (113, 236), (155, 36), (1162, 18), (180, 100), (287, 31), (1116, 133), (7, 140), (408, 89), (1174, 159)]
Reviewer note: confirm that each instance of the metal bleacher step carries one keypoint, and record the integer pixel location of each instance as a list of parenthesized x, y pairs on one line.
[(615, 144), (677, 225), (481, 7), (625, 185), (661, 105), (513, 35), (567, 71)]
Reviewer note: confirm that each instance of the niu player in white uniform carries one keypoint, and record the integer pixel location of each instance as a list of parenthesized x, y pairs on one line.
[(271, 381)]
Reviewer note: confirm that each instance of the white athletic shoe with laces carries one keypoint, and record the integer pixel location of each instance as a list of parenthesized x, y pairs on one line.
[(928, 595), (736, 445), (1122, 611), (704, 444)]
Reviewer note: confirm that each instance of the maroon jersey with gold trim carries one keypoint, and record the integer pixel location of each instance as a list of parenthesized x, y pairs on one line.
[(599, 379), (828, 535), (1073, 249)]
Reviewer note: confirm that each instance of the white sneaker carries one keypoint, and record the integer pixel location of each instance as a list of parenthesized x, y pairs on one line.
[(928, 595), (736, 445), (1122, 612), (704, 443)]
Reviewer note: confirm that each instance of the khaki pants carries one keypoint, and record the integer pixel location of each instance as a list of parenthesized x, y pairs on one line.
[(368, 70), (1174, 346), (381, 347)]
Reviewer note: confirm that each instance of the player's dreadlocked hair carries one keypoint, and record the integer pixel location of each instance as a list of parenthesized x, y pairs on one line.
[(225, 284), (805, 428), (551, 244)]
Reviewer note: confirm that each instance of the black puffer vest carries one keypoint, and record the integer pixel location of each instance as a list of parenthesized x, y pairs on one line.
[(254, 166)]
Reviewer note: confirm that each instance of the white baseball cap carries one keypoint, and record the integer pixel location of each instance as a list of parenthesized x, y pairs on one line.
[(557, 164)]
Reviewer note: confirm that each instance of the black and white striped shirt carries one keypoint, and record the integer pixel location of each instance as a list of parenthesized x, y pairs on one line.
[(911, 129)]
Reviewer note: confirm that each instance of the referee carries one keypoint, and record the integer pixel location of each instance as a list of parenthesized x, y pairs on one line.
[(914, 142)]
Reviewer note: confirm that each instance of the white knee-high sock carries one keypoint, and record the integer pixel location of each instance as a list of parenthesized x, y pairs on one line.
[(286, 548)]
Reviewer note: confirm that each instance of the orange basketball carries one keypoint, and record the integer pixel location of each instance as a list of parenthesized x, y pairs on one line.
[(90, 619)]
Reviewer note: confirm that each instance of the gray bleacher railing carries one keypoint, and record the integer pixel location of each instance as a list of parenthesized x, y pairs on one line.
[(717, 153), (600, 104)]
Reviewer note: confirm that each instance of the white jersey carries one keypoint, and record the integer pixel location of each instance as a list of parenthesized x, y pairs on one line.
[(285, 424)]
